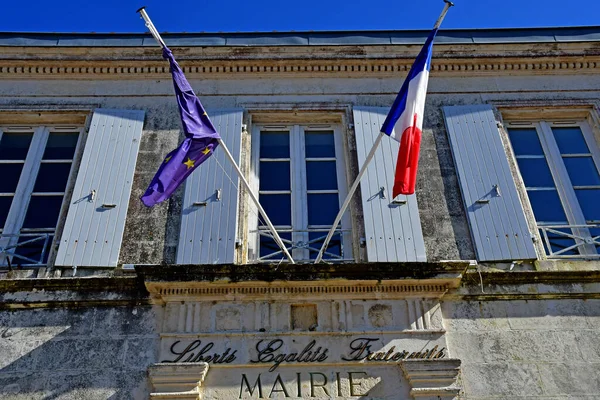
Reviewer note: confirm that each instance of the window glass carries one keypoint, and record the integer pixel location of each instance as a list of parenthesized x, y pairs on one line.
[(275, 175), (525, 141), (570, 140), (61, 146), (5, 202), (10, 177), (269, 246), (32, 249), (560, 242), (278, 208), (589, 200), (14, 146), (42, 212), (275, 144), (322, 208), (335, 245), (547, 206), (52, 177), (535, 172), (319, 144), (321, 175), (582, 171)]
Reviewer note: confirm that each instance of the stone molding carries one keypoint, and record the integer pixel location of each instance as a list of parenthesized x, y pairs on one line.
[(164, 292), (179, 381), (432, 379), (342, 67)]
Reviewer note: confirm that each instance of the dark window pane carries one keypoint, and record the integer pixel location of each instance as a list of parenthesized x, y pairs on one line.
[(52, 177), (32, 249), (14, 146), (278, 208), (43, 212), (61, 146), (334, 247), (275, 144), (589, 200), (10, 174), (322, 208), (595, 232), (560, 242), (570, 140), (321, 175), (525, 141), (275, 175), (535, 172), (582, 171), (5, 202), (269, 246), (546, 206), (319, 144)]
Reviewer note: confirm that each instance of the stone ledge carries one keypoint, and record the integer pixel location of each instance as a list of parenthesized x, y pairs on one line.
[(432, 379), (177, 380)]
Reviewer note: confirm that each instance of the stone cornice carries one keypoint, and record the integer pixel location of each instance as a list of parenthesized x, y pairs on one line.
[(326, 61)]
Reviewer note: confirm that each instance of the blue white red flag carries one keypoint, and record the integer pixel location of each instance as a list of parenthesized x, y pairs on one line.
[(406, 115), (201, 139)]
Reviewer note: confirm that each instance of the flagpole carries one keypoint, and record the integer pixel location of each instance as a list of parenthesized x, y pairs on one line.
[(278, 240), (255, 200), (362, 171)]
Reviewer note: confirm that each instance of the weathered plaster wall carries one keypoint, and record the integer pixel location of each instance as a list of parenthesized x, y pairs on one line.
[(88, 353), (542, 349), (151, 234)]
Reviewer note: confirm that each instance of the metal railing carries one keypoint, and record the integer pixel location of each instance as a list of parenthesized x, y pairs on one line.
[(583, 243), (312, 245), (13, 250)]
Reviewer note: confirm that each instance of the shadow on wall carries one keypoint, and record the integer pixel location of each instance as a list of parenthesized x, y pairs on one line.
[(95, 353)]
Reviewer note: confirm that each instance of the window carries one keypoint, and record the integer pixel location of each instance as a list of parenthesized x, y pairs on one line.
[(559, 163), (300, 177), (35, 163)]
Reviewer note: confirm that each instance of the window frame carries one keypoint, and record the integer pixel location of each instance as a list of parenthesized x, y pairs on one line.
[(25, 187), (565, 189), (299, 203)]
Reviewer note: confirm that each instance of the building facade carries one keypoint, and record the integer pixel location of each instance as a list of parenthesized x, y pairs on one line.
[(482, 285)]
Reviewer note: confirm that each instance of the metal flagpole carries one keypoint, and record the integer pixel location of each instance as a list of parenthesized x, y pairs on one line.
[(278, 240), (362, 171)]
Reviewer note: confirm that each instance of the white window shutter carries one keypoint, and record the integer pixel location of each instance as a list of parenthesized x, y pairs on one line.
[(393, 231), (95, 221), (496, 217), (209, 216)]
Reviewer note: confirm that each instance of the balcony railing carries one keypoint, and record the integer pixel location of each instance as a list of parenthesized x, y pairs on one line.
[(571, 241), (312, 245), (24, 249)]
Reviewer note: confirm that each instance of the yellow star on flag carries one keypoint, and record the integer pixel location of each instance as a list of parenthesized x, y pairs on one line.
[(167, 159), (189, 163), (206, 151), (205, 113)]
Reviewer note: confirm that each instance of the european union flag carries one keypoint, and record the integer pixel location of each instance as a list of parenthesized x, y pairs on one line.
[(201, 139)]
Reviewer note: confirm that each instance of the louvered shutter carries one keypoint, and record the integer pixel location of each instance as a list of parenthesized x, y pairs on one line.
[(393, 230), (95, 221), (496, 217), (210, 205)]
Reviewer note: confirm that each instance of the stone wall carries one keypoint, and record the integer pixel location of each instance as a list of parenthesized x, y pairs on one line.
[(87, 353), (526, 349)]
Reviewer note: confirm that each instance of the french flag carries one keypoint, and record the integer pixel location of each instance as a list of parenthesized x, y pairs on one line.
[(406, 115)]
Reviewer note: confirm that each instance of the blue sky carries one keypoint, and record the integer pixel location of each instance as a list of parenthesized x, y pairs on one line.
[(286, 15)]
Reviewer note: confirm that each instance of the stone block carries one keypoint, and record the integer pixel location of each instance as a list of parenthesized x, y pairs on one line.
[(570, 379), (140, 353), (546, 314), (473, 316), (480, 380), (119, 321)]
